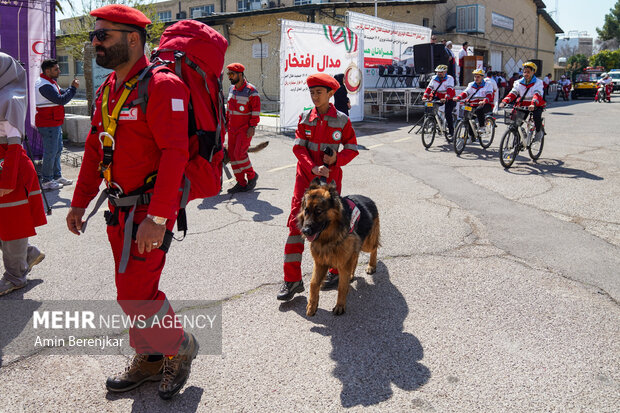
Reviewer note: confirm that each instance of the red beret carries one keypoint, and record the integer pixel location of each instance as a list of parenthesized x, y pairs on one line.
[(236, 67), (323, 79), (119, 13)]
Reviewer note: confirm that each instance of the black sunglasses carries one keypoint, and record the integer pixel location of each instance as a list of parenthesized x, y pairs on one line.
[(101, 34)]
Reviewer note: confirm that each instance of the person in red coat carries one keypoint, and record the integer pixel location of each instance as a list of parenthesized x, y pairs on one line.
[(320, 127), (21, 204), (242, 115), (145, 144)]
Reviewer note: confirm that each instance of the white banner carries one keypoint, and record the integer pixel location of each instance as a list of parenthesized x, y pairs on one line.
[(308, 48), (39, 46), (385, 42)]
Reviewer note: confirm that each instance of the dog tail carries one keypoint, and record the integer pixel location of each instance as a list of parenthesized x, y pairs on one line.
[(259, 147)]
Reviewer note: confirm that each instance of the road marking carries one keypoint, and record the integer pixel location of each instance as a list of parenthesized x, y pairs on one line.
[(282, 167), (403, 139), (376, 146)]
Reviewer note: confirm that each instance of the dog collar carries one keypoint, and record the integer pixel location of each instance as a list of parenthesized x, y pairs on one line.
[(355, 215)]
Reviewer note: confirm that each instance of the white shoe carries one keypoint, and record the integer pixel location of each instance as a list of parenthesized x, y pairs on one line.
[(482, 130), (64, 181), (51, 185)]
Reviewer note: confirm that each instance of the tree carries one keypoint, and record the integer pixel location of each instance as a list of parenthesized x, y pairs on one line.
[(606, 58), (611, 27), (576, 63)]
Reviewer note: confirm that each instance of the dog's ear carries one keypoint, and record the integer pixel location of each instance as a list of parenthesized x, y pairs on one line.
[(316, 182), (333, 194)]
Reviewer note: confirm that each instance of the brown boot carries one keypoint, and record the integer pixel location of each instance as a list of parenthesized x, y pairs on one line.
[(138, 371), (177, 368)]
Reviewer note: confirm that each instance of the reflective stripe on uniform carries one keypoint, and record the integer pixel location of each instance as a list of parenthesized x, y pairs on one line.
[(294, 239), (292, 257), (232, 163), (236, 171), (13, 140), (163, 310), (34, 193), (12, 204), (351, 146), (301, 142), (255, 113), (234, 112)]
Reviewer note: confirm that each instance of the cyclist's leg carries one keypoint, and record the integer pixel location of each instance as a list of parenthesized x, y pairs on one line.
[(537, 114), (448, 113)]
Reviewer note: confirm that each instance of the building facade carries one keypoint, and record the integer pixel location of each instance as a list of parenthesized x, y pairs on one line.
[(505, 33)]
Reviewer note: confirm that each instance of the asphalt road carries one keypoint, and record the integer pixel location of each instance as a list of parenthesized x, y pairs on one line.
[(496, 290)]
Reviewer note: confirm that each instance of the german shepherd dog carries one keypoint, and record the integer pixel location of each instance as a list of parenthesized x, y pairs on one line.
[(337, 236)]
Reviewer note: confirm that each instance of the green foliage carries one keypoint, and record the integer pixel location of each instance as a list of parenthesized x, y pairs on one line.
[(611, 26), (576, 63), (77, 27), (606, 58)]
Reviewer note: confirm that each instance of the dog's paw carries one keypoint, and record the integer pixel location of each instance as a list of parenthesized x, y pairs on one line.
[(338, 309), (371, 270), (310, 310)]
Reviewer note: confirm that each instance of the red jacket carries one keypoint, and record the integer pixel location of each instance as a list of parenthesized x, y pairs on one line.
[(315, 132), (21, 210), (243, 106), (145, 143)]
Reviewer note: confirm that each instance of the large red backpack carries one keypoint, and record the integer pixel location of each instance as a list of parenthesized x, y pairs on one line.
[(195, 52)]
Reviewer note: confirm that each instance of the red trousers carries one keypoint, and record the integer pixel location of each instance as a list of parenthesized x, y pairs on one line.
[(294, 248), (238, 144), (138, 293)]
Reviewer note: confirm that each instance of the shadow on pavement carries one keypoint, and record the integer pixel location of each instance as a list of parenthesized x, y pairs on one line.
[(56, 201), (552, 167), (263, 210), (370, 348), (147, 400), (16, 314), (210, 203)]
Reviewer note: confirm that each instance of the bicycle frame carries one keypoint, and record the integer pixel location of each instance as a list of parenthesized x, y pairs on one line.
[(437, 111), (525, 134)]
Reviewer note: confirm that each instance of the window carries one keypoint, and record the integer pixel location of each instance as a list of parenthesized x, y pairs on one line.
[(165, 16), (425, 22), (79, 68), (242, 5), (63, 64), (301, 2), (201, 11)]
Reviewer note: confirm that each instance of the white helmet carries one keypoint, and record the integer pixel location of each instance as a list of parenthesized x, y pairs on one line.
[(563, 76), (603, 75)]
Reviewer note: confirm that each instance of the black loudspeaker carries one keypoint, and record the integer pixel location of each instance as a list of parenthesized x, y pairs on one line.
[(427, 56), (539, 69), (423, 58)]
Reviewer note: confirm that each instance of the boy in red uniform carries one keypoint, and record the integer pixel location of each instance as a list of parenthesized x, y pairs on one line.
[(318, 128), (21, 204)]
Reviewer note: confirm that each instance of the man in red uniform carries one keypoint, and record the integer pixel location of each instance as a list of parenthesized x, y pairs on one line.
[(140, 145), (320, 127), (242, 116), (21, 204)]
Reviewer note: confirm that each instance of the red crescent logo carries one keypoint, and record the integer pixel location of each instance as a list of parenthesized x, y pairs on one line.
[(34, 47), (289, 34)]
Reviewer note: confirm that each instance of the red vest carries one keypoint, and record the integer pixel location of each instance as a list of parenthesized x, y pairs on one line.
[(49, 114)]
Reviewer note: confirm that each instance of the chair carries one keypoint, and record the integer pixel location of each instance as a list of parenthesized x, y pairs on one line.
[(400, 77), (381, 75), (390, 74)]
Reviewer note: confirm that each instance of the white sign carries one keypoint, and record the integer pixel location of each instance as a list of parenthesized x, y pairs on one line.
[(308, 48), (99, 75), (386, 42), (260, 50), (504, 22)]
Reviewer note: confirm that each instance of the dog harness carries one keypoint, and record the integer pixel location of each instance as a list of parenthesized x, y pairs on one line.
[(355, 215)]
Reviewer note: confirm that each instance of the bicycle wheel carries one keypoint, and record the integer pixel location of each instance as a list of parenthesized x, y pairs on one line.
[(486, 139), (428, 132), (460, 138), (508, 148), (536, 147)]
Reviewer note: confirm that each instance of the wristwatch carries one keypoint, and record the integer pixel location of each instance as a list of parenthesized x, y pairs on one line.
[(157, 220)]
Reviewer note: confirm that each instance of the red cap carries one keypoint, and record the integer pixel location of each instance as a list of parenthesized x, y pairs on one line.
[(119, 13), (323, 79), (236, 67)]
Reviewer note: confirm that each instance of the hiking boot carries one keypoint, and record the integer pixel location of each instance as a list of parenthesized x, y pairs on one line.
[(50, 185), (251, 183), (331, 280), (139, 371), (177, 368), (7, 286), (289, 289), (237, 188)]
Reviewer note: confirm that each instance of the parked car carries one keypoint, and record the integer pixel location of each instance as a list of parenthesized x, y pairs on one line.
[(615, 77)]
